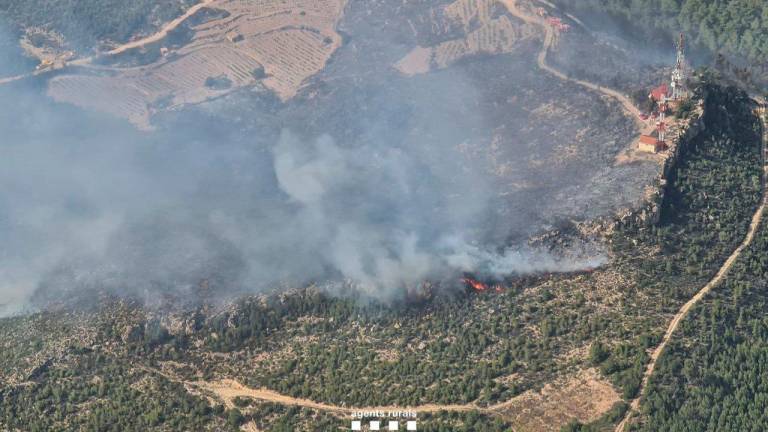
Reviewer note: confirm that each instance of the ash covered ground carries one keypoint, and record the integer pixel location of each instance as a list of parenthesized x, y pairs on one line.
[(546, 146), (367, 174)]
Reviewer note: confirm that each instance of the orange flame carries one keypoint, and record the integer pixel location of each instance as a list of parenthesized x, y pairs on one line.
[(476, 285)]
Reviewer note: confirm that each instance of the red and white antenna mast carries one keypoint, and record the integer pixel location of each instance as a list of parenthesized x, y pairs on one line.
[(661, 125), (678, 74), (661, 129)]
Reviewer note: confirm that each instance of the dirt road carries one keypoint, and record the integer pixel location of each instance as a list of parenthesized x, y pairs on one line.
[(585, 396), (11, 79), (549, 38), (157, 36), (227, 390), (683, 312), (162, 33), (630, 109)]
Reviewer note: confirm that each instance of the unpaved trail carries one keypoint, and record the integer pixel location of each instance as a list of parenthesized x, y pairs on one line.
[(12, 79), (157, 36), (549, 39), (584, 396), (629, 108), (162, 33), (230, 389), (683, 312)]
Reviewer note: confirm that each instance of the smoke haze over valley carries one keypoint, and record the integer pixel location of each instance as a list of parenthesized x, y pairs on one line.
[(315, 215), (385, 180)]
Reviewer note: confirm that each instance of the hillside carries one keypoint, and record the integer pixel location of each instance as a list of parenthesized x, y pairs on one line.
[(520, 358), (273, 215), (737, 29), (712, 375), (86, 23)]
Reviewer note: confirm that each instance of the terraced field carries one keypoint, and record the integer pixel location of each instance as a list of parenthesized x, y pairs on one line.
[(568, 133), (292, 40), (236, 43), (486, 31)]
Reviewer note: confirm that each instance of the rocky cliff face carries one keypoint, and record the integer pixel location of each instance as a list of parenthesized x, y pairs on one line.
[(649, 213)]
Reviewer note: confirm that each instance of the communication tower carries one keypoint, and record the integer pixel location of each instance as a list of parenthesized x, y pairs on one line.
[(678, 74)]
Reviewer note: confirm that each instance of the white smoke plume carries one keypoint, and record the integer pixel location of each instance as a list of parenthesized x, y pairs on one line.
[(88, 204), (380, 255)]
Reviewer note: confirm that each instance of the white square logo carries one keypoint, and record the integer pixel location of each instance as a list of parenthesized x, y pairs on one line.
[(375, 425), (411, 425), (357, 425), (393, 425)]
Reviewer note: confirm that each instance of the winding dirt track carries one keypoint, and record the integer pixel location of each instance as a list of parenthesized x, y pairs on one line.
[(11, 79), (549, 40), (683, 312), (229, 389), (162, 33), (157, 36), (630, 109)]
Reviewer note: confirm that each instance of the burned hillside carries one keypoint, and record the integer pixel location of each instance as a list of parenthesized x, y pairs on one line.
[(537, 136), (274, 215)]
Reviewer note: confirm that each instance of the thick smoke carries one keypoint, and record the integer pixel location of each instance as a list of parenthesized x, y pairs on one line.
[(385, 221), (88, 204)]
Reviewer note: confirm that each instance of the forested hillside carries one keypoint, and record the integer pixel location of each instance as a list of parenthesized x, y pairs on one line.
[(713, 376), (84, 22), (123, 367), (735, 27)]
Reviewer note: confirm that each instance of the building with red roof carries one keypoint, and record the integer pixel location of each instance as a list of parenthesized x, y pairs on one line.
[(651, 144), (660, 93)]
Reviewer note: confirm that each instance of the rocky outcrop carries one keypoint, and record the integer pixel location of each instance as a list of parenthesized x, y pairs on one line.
[(649, 213)]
